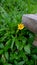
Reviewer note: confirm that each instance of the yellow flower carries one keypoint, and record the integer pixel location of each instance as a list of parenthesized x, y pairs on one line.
[(20, 26)]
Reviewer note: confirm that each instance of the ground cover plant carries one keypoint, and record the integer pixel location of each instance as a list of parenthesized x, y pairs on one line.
[(16, 40)]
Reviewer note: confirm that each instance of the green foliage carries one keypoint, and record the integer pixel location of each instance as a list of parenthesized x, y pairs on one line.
[(27, 49), (16, 46)]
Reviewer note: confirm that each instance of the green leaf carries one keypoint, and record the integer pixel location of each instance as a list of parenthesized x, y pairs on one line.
[(7, 64), (20, 63), (13, 40), (2, 29), (6, 55), (27, 49), (31, 38), (1, 45), (14, 56), (4, 36), (19, 44), (34, 56), (3, 58), (1, 51), (8, 45)]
